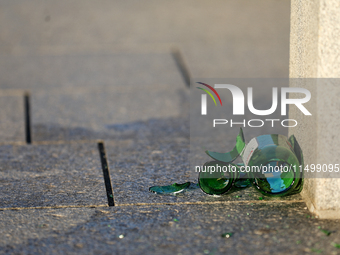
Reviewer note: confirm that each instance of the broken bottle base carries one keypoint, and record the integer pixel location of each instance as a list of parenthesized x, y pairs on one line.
[(271, 162)]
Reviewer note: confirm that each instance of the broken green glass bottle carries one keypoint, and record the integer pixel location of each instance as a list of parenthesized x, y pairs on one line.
[(170, 189), (216, 183), (273, 162)]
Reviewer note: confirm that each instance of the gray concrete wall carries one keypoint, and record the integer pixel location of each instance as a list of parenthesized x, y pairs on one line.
[(315, 53)]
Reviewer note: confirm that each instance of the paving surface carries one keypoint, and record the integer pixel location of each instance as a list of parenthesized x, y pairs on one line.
[(118, 71), (98, 111), (12, 114), (256, 228), (51, 175)]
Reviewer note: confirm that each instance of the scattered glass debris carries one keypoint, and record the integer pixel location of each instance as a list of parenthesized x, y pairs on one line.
[(206, 251), (325, 231), (170, 189), (336, 245), (121, 236), (176, 220), (268, 182), (316, 250), (227, 234)]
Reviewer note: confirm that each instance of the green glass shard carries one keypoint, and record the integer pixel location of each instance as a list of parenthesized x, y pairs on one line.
[(274, 181), (336, 245), (243, 183), (232, 155), (215, 183), (227, 234), (170, 189), (326, 232), (277, 158), (298, 152), (297, 149), (316, 250)]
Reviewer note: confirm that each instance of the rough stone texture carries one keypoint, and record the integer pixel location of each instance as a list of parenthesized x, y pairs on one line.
[(51, 175), (304, 39), (315, 52), (329, 39), (258, 228), (12, 124)]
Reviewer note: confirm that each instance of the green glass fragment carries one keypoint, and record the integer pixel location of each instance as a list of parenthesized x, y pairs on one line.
[(227, 234), (232, 155), (215, 183), (336, 245), (326, 232), (316, 250), (277, 159), (243, 183), (170, 189)]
